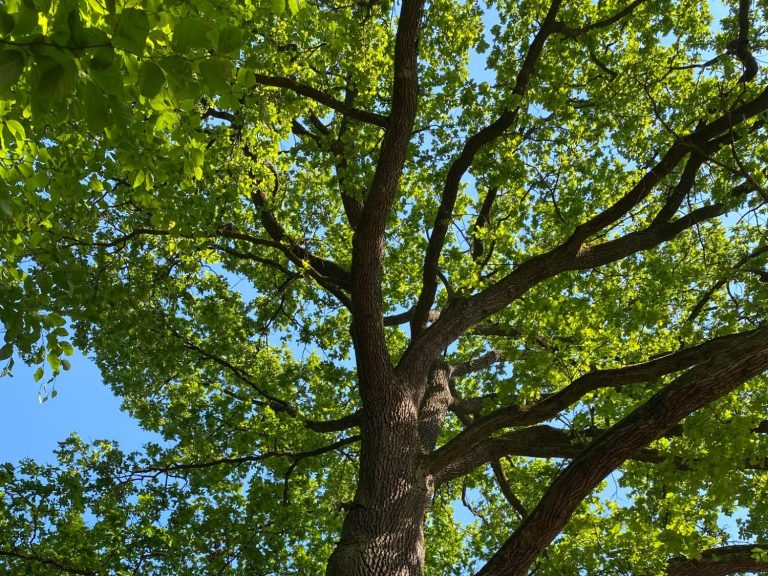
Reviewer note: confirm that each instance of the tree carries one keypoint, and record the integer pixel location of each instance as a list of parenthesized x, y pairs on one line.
[(365, 264)]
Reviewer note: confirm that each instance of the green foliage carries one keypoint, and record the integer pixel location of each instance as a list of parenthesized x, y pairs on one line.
[(149, 151)]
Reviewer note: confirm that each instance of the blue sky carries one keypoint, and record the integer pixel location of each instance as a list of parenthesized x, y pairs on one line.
[(30, 429)]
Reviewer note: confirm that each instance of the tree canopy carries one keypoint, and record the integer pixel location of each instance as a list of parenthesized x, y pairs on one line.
[(448, 287)]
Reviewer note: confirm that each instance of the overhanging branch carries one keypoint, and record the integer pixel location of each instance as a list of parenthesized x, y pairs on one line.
[(696, 388), (461, 164), (549, 407), (721, 561), (322, 98)]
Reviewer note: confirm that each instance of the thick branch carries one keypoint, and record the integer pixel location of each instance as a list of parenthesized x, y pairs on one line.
[(434, 406), (741, 46), (462, 314), (720, 562), (338, 425), (322, 98), (548, 442), (550, 406), (368, 242), (326, 273), (405, 317), (696, 388), (481, 363)]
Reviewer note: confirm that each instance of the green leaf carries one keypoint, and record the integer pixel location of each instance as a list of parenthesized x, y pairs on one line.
[(216, 73), (230, 40), (39, 373), (11, 67), (109, 79), (293, 6), (26, 18), (6, 22), (131, 31), (180, 76), (16, 129), (54, 362), (6, 351), (54, 80), (278, 7), (151, 79), (96, 108), (194, 33)]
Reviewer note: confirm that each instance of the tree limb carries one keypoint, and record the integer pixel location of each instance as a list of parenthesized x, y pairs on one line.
[(474, 365), (741, 46), (326, 273), (322, 98), (544, 441), (696, 388), (506, 490), (461, 164), (337, 425), (51, 562), (547, 408), (368, 241), (405, 317), (295, 457), (481, 222), (720, 562), (462, 314), (566, 30)]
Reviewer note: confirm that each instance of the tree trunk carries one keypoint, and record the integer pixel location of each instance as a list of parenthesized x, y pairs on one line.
[(383, 532)]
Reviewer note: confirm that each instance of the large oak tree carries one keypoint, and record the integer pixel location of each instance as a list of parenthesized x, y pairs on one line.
[(433, 287)]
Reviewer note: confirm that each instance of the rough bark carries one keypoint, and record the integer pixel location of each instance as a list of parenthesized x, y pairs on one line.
[(383, 530), (720, 562)]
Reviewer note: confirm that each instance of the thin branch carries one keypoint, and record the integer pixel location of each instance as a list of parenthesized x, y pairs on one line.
[(295, 457), (461, 164), (325, 272), (506, 490), (507, 331), (45, 561), (275, 403), (562, 28), (481, 222), (707, 296), (322, 98), (353, 207), (300, 130), (254, 258)]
